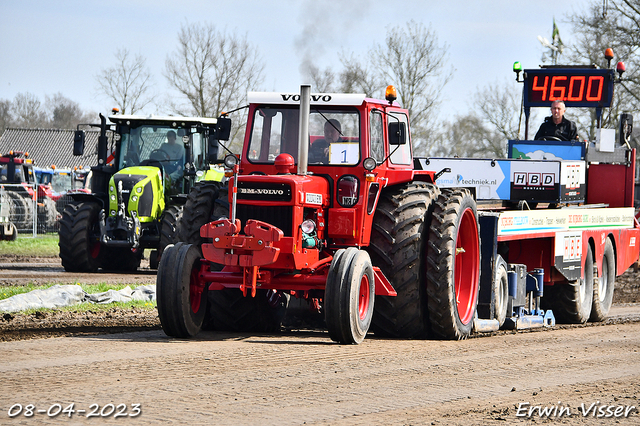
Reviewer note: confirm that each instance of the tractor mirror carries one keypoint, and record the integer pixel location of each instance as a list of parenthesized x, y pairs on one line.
[(212, 155), (223, 128), (78, 142), (397, 133)]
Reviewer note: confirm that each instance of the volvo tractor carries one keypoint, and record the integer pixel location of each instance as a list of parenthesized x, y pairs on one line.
[(146, 166), (329, 208)]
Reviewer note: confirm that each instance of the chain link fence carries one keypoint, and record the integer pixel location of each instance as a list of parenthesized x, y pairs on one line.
[(32, 211)]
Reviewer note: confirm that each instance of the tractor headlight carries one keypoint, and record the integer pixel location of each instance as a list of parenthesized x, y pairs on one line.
[(230, 161), (369, 164), (113, 197), (134, 199), (308, 226), (139, 190)]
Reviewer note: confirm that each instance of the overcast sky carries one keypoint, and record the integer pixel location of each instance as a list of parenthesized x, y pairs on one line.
[(51, 46)]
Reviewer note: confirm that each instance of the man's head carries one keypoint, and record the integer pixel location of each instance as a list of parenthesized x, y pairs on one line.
[(332, 129), (171, 137), (557, 111)]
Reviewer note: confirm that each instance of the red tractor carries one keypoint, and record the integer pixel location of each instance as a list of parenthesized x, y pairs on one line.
[(347, 220)]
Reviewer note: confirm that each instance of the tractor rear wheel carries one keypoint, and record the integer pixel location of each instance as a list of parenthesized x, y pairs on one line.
[(168, 232), (349, 296), (79, 238), (398, 235), (603, 291), (181, 295), (571, 302), (453, 269), (201, 208), (20, 209)]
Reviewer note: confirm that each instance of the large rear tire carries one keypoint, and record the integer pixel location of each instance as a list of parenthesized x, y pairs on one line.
[(398, 236), (349, 297), (572, 301), (201, 208), (79, 238), (603, 291), (20, 209), (453, 270), (181, 295), (168, 232)]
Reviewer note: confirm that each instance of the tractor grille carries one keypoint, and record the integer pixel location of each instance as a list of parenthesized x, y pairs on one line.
[(280, 216)]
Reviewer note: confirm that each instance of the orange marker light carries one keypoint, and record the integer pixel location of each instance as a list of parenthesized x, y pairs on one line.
[(390, 94)]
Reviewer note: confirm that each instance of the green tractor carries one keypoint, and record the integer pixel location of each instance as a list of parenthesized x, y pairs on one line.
[(146, 167)]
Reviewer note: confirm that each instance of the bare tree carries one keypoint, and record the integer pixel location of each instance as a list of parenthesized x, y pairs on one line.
[(28, 111), (498, 104), (6, 119), (128, 83), (63, 112), (469, 136), (412, 59), (212, 70), (616, 25), (321, 81), (356, 77)]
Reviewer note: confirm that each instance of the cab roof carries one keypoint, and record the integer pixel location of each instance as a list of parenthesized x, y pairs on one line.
[(160, 120), (329, 99)]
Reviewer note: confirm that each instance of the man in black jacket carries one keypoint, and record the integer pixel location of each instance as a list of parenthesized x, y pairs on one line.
[(557, 127)]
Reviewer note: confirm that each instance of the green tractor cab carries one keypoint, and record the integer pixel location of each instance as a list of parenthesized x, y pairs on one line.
[(146, 167)]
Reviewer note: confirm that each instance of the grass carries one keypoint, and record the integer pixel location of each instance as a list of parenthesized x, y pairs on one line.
[(42, 246), (47, 246), (6, 292)]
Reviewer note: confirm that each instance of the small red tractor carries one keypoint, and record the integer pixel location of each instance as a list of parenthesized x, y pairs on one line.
[(326, 205)]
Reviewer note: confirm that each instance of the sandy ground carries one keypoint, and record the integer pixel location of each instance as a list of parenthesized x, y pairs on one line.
[(300, 377)]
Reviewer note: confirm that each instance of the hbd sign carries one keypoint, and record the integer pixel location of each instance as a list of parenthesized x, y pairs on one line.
[(523, 179)]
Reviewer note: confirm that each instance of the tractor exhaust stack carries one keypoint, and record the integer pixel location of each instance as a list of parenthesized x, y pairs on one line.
[(303, 129)]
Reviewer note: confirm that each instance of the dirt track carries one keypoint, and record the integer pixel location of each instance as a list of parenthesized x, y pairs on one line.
[(301, 377), (304, 378)]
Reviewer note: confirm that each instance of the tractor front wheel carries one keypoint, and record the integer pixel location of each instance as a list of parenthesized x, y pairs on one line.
[(181, 294), (79, 238), (349, 296)]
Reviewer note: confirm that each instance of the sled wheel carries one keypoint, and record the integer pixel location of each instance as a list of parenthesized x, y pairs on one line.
[(603, 291), (572, 301), (349, 297), (181, 294), (500, 290), (453, 269)]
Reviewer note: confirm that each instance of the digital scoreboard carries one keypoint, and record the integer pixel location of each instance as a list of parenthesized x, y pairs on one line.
[(576, 87)]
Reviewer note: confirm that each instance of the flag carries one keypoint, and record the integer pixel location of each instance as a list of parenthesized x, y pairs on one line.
[(555, 37)]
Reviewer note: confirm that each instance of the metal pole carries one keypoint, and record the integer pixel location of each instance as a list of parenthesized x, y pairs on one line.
[(303, 128)]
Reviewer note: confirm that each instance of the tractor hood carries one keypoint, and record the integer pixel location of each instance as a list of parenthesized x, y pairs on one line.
[(296, 190), (138, 191)]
